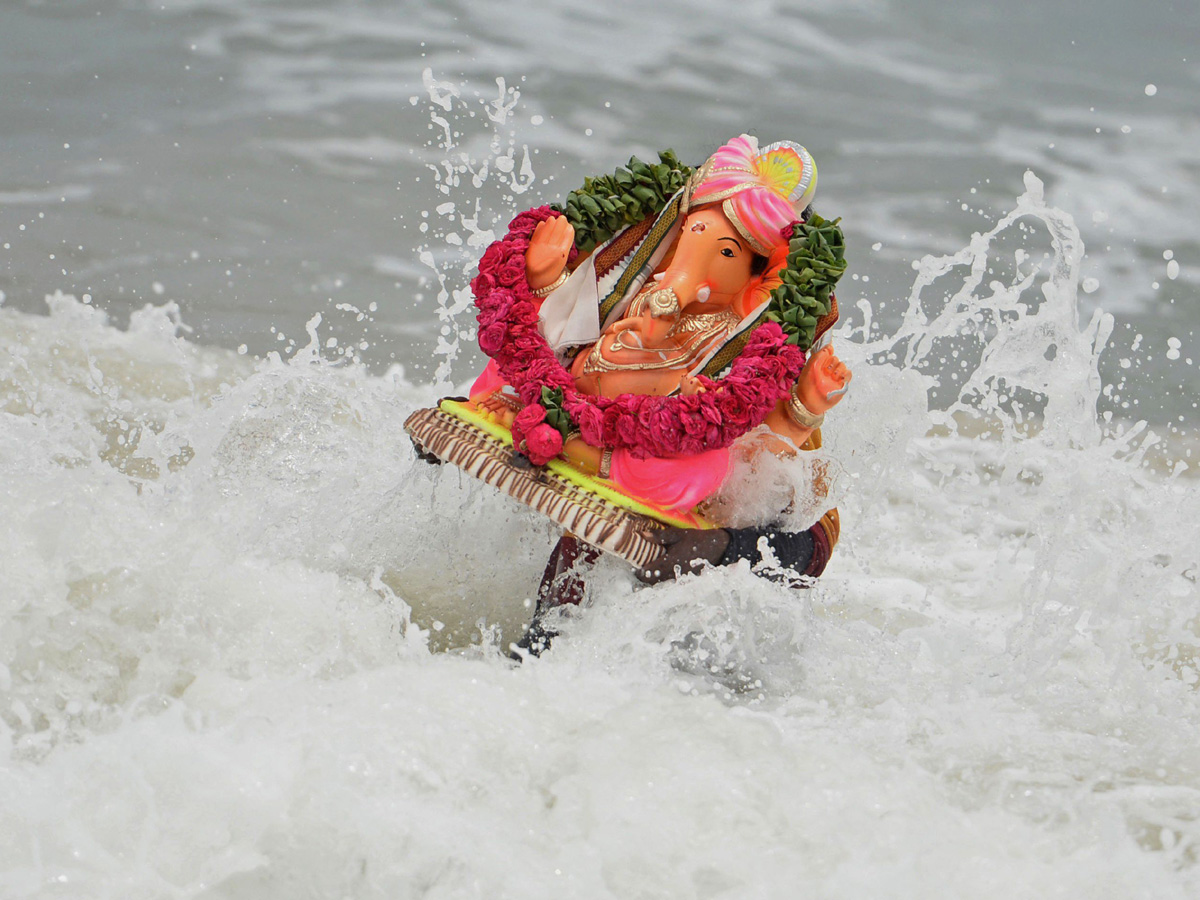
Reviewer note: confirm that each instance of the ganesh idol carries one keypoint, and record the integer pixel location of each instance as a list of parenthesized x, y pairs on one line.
[(638, 367)]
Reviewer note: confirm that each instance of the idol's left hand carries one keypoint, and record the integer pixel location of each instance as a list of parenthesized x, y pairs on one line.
[(823, 381)]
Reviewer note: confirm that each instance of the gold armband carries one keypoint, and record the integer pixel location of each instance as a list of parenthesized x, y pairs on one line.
[(800, 414), (552, 286)]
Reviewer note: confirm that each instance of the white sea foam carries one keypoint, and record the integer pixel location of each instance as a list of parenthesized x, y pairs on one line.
[(228, 587)]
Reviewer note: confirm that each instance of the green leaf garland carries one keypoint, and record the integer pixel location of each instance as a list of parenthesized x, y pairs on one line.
[(816, 260), (607, 203)]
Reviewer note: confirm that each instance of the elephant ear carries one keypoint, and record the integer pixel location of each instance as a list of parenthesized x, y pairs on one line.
[(760, 287)]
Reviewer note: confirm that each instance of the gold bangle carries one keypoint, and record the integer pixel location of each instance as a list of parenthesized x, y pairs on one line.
[(605, 462), (553, 286), (800, 414)]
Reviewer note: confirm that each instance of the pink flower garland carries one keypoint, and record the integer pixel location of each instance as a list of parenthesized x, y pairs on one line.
[(645, 425)]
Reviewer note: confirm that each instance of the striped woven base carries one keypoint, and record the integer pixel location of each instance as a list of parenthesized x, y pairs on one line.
[(586, 515)]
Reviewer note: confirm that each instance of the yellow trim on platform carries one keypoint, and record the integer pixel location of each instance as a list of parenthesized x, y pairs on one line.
[(598, 486), (468, 415)]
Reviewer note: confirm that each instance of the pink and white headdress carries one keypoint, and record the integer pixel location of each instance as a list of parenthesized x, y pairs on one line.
[(762, 192)]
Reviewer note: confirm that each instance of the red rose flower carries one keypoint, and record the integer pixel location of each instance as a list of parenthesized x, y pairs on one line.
[(491, 338), (591, 424), (734, 411), (610, 417), (524, 223), (491, 257), (664, 428), (530, 417), (542, 444), (628, 429), (544, 371), (526, 313), (482, 283), (512, 272), (693, 422), (502, 301)]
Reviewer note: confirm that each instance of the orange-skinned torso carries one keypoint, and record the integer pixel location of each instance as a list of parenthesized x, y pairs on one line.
[(690, 307)]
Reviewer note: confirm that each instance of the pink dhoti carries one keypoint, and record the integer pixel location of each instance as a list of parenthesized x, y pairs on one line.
[(675, 483)]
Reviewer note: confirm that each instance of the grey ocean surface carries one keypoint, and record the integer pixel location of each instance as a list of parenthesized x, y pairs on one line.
[(258, 162)]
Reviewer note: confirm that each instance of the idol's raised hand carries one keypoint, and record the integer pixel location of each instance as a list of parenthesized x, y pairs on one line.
[(548, 250)]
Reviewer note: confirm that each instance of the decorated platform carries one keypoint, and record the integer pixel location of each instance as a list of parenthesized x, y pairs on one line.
[(591, 508)]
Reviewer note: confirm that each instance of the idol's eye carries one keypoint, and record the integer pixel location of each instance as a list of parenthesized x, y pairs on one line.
[(727, 251)]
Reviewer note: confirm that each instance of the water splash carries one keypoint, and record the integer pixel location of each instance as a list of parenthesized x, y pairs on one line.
[(1009, 368), (479, 165), (1009, 557)]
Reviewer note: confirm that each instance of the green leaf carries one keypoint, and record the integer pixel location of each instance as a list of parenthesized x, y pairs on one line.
[(644, 194)]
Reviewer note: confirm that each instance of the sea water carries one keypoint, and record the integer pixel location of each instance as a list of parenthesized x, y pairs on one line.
[(230, 588), (251, 647)]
